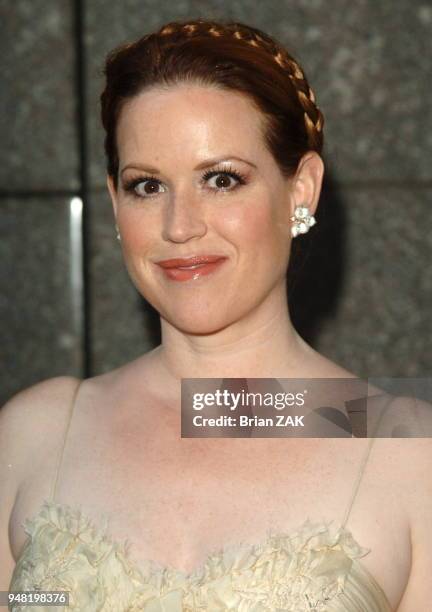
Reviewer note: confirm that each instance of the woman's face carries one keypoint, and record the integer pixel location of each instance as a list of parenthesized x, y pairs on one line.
[(169, 134)]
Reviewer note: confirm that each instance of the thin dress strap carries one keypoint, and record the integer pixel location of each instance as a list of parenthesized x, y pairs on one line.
[(361, 470), (358, 479), (60, 458)]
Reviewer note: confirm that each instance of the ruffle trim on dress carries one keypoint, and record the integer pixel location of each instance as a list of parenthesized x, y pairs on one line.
[(295, 572)]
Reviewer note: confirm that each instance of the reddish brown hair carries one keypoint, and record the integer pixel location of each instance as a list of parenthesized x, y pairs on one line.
[(223, 54)]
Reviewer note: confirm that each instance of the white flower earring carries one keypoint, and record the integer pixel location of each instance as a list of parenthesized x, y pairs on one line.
[(118, 233), (303, 220)]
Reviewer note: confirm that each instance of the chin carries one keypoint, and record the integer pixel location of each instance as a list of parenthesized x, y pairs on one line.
[(203, 323)]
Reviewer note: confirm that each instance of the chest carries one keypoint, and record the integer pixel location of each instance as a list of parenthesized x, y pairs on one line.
[(178, 500)]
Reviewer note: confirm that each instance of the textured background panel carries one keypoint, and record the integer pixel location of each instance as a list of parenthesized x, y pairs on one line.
[(37, 100), (123, 324), (39, 335), (381, 326), (361, 280), (368, 63)]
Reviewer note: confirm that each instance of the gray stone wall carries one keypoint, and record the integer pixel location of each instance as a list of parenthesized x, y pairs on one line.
[(365, 291)]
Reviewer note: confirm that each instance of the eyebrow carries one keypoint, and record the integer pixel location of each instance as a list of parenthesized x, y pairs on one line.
[(201, 166)]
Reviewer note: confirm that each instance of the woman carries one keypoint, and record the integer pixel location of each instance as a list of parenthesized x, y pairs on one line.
[(213, 141)]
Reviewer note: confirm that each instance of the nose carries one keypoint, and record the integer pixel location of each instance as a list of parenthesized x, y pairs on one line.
[(184, 219)]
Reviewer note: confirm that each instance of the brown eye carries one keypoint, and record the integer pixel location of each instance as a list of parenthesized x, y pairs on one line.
[(147, 187), (143, 187), (224, 180)]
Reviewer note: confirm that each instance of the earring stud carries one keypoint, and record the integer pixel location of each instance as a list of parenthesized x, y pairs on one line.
[(118, 233), (302, 221)]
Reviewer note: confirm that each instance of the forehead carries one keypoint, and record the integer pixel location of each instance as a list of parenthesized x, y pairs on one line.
[(190, 121)]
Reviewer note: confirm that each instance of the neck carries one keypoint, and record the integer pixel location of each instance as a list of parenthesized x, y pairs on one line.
[(264, 344)]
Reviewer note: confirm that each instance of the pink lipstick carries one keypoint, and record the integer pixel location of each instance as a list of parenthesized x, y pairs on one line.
[(183, 269)]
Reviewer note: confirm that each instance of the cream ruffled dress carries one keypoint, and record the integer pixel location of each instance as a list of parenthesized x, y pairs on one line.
[(315, 567)]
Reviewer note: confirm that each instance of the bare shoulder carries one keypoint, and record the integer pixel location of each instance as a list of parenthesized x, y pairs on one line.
[(28, 410), (403, 426), (29, 417), (402, 417), (405, 448), (416, 468), (29, 421)]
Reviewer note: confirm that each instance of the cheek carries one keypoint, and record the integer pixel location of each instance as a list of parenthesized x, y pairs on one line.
[(258, 228), (137, 228)]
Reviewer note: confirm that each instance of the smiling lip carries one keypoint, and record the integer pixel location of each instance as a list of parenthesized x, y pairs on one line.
[(195, 260), (183, 269)]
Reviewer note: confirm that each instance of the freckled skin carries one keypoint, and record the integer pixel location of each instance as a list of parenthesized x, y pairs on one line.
[(124, 456), (174, 130)]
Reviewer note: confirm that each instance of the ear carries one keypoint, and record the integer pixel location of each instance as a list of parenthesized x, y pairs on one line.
[(113, 193), (307, 182)]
